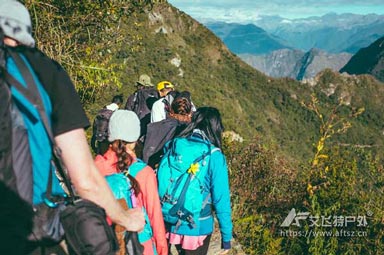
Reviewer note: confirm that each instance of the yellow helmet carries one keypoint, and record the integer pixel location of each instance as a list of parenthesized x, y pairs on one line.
[(164, 85)]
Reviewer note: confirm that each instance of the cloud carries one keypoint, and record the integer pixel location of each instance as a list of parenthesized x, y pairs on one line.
[(248, 10)]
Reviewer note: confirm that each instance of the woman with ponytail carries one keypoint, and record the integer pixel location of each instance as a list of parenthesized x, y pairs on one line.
[(203, 133), (120, 163)]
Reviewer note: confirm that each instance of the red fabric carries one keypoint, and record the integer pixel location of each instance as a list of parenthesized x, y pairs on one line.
[(149, 198), (107, 163)]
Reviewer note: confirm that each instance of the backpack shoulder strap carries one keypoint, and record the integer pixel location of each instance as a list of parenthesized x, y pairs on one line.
[(136, 167)]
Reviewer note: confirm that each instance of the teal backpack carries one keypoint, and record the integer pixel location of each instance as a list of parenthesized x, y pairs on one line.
[(181, 176), (121, 188)]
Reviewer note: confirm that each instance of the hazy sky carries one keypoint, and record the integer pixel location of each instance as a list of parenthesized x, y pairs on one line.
[(248, 10)]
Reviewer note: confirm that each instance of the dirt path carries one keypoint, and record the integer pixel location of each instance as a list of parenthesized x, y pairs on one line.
[(214, 247)]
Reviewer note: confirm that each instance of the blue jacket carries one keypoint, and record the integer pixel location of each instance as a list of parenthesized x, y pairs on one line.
[(217, 182)]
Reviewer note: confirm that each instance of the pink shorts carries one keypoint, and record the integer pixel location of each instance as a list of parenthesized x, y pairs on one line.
[(186, 242)]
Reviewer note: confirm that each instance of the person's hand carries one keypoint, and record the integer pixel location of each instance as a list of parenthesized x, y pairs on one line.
[(162, 250), (135, 220)]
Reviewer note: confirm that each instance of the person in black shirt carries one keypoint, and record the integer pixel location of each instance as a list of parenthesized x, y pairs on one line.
[(68, 118)]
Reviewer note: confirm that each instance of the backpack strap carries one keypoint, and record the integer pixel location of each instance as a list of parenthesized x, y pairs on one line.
[(6, 174), (33, 95), (167, 106), (136, 167)]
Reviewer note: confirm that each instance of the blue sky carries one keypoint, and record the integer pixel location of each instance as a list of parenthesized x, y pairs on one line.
[(249, 10)]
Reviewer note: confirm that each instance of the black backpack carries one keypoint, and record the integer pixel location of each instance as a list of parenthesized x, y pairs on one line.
[(158, 134), (99, 141), (141, 101), (100, 124)]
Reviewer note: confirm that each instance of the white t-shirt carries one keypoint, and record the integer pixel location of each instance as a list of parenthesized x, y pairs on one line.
[(158, 111)]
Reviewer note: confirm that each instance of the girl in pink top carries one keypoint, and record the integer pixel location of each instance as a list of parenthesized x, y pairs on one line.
[(124, 130)]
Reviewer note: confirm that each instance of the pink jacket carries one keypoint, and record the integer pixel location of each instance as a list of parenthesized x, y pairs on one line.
[(148, 198)]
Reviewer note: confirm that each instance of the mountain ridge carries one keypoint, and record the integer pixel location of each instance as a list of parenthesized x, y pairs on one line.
[(369, 60)]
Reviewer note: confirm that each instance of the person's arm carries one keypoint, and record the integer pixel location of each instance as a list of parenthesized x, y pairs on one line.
[(90, 184), (221, 197), (148, 185)]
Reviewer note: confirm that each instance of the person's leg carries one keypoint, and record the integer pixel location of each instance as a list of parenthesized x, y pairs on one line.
[(202, 250), (179, 250)]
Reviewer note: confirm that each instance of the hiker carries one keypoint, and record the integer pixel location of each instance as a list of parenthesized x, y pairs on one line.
[(68, 121), (192, 159), (161, 107), (99, 140), (120, 164), (158, 133), (117, 101), (141, 101)]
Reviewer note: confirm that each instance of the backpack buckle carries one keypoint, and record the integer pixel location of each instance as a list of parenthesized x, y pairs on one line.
[(166, 199), (191, 221)]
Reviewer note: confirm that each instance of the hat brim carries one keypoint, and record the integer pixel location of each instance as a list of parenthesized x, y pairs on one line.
[(21, 36), (145, 85)]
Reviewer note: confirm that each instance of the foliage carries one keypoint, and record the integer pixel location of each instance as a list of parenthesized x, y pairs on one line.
[(340, 181), (65, 30), (261, 184), (337, 187)]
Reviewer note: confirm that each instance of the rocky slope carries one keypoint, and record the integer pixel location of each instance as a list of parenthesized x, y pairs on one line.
[(296, 64)]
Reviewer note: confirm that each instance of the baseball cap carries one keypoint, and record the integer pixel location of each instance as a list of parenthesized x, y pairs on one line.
[(124, 125), (15, 22), (164, 85)]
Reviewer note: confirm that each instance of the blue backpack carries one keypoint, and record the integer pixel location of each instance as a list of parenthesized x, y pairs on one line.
[(121, 188), (31, 139), (181, 176)]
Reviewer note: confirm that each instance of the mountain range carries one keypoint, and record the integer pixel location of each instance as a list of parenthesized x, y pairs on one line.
[(247, 39), (296, 64), (334, 33), (319, 42)]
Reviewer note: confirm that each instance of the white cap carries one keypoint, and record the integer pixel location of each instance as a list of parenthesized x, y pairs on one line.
[(124, 125), (16, 22)]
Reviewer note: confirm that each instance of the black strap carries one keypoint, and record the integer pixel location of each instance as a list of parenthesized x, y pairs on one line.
[(135, 102), (180, 202), (33, 95)]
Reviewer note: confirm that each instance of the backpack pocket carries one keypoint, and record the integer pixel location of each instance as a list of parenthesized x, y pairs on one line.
[(87, 231)]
